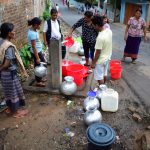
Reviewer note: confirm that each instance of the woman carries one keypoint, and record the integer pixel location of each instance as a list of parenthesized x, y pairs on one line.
[(89, 35), (36, 47), (9, 58), (106, 22), (134, 31)]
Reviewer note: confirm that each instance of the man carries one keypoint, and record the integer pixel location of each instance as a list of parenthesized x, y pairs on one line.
[(89, 35), (52, 28), (103, 50)]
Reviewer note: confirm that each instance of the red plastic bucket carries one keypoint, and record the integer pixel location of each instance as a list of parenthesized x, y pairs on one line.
[(69, 41), (78, 72), (65, 64), (116, 72), (115, 63)]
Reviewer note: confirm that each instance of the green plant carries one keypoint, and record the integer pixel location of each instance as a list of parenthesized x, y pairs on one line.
[(46, 15), (25, 55)]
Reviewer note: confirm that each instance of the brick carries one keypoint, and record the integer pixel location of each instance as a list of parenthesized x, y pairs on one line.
[(15, 12)]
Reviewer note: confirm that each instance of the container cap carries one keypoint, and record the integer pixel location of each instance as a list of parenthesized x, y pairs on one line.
[(100, 134), (91, 94)]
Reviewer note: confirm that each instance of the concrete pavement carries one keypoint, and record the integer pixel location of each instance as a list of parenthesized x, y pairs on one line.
[(137, 75)]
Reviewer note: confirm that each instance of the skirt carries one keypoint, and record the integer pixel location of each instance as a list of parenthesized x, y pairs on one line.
[(12, 89), (132, 47)]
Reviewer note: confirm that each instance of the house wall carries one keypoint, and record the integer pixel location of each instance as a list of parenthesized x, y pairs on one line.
[(18, 12), (123, 5)]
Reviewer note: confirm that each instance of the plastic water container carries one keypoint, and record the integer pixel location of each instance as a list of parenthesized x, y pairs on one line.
[(109, 100)]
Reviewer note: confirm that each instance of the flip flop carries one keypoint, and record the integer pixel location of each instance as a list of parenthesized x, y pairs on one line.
[(86, 65), (133, 62), (40, 84), (43, 80), (8, 111), (21, 114), (18, 116)]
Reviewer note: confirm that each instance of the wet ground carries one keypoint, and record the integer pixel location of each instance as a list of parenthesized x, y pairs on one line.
[(49, 116)]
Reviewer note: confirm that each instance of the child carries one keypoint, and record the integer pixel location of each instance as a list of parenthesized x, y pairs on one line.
[(36, 46), (106, 22), (9, 59), (57, 7)]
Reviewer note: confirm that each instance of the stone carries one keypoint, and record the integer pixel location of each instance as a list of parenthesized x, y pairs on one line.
[(146, 141), (137, 117), (132, 109), (148, 127)]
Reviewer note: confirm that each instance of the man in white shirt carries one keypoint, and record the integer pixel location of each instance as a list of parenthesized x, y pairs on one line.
[(103, 50), (51, 28)]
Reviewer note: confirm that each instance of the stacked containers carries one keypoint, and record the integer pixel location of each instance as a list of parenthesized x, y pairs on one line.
[(115, 69)]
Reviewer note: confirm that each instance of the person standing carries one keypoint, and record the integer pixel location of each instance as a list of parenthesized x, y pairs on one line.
[(9, 62), (106, 22), (103, 51), (36, 47), (52, 29), (89, 35), (57, 7), (133, 33)]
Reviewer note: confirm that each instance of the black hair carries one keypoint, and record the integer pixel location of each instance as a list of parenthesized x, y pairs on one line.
[(98, 20), (34, 21), (140, 10), (54, 11), (5, 29), (88, 14), (105, 17)]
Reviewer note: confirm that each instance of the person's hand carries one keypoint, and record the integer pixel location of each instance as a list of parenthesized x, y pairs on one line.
[(145, 38), (69, 34), (45, 43), (93, 65), (38, 61), (24, 75), (125, 37)]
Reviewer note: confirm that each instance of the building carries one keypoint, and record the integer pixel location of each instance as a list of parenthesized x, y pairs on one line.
[(18, 12), (128, 8)]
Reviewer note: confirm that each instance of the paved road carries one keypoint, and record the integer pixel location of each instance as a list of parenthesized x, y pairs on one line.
[(136, 75)]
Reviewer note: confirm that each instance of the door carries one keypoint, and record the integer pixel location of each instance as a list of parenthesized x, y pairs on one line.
[(130, 11)]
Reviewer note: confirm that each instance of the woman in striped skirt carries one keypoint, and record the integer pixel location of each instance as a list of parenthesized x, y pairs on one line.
[(9, 59)]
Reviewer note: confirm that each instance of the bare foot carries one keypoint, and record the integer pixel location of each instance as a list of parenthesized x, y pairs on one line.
[(20, 114)]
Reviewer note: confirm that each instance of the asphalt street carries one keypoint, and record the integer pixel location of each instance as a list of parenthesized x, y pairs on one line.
[(137, 75)]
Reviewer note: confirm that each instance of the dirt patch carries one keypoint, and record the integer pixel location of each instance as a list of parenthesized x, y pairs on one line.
[(49, 118)]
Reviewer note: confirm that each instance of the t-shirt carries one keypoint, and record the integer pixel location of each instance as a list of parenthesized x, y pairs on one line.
[(34, 35), (55, 29), (10, 55), (136, 27), (104, 43)]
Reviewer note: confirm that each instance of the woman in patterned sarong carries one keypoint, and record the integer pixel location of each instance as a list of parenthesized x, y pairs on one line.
[(9, 59), (134, 31)]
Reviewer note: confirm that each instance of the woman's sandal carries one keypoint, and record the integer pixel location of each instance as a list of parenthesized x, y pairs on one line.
[(87, 65), (133, 62), (20, 114), (40, 84), (8, 111), (43, 80)]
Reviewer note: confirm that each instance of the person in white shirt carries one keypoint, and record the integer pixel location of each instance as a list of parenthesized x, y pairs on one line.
[(103, 50), (52, 28)]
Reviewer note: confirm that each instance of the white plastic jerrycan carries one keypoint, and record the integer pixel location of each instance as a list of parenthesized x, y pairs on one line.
[(109, 100)]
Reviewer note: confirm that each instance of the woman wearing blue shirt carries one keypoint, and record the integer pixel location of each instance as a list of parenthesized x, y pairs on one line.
[(36, 46)]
